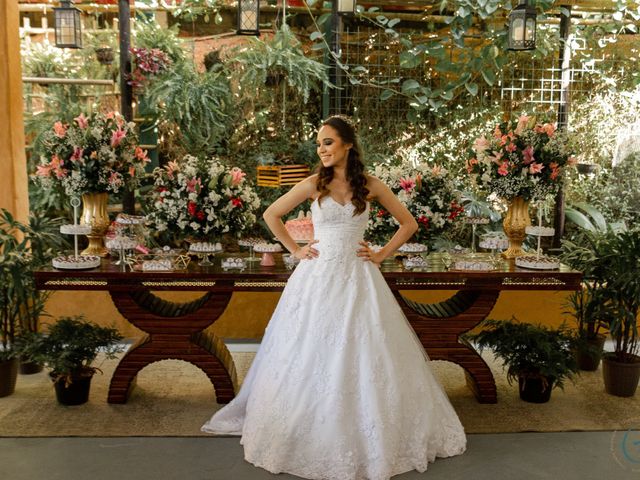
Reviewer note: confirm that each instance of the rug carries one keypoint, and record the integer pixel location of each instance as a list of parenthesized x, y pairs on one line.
[(174, 398)]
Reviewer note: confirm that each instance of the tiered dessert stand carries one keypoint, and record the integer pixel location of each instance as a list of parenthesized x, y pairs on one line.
[(75, 261), (538, 261)]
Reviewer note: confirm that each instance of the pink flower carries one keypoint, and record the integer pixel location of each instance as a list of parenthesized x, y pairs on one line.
[(172, 167), (497, 157), (194, 185), (436, 170), (59, 129), (132, 171), (77, 154), (497, 133), (522, 123), (511, 147), (549, 129), (527, 155), (43, 170), (470, 164), (555, 170), (237, 176), (481, 144), (116, 137), (503, 169), (141, 154), (571, 161), (115, 179), (535, 168), (82, 121), (110, 115), (407, 184)]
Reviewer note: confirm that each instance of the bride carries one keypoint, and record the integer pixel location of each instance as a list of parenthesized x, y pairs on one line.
[(340, 388)]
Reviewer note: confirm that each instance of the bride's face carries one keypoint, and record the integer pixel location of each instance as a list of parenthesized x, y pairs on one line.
[(333, 152)]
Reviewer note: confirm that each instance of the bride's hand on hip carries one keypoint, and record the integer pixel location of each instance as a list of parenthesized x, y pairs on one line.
[(306, 252), (368, 255)]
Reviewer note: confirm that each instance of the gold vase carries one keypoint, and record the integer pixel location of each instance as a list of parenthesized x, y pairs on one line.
[(515, 223), (94, 213)]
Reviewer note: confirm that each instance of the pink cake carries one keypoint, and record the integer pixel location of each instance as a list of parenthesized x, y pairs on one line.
[(301, 228)]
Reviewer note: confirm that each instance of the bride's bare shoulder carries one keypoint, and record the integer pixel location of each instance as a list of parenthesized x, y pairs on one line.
[(375, 186)]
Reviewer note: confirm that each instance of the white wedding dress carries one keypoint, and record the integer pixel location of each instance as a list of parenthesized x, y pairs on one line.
[(340, 388)]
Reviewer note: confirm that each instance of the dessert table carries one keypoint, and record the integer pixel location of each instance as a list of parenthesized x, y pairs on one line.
[(175, 330)]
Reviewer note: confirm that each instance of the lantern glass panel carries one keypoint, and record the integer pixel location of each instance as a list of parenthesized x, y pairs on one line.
[(530, 33), (517, 30), (346, 6)]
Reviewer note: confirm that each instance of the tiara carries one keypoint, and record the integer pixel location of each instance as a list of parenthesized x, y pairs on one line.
[(344, 118)]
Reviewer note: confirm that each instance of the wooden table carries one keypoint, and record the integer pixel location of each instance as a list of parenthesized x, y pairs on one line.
[(176, 330)]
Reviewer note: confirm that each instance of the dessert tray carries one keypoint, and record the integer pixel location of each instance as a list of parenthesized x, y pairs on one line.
[(164, 259), (267, 247), (539, 231), (413, 248), (205, 247), (474, 262), (233, 263), (75, 229), (414, 261), (494, 242), (75, 262), (538, 262)]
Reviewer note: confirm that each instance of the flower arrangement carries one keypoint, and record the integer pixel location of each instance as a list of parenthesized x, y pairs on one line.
[(428, 192), (94, 154), (521, 159), (201, 198), (146, 64)]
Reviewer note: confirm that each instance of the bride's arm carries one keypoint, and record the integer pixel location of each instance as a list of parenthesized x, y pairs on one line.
[(390, 202), (302, 191)]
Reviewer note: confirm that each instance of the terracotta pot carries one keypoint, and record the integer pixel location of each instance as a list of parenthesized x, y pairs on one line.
[(620, 379), (515, 223), (94, 213), (8, 376)]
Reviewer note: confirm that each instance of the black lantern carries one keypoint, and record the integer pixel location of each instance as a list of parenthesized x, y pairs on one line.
[(522, 27), (248, 17), (66, 19), (346, 7)]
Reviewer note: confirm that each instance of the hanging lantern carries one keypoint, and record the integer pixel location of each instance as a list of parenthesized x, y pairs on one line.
[(248, 17), (346, 7), (522, 27), (66, 19)]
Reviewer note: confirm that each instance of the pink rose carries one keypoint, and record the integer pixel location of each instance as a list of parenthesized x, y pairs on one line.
[(237, 176)]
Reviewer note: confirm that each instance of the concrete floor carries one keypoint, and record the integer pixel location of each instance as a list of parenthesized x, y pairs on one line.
[(565, 456)]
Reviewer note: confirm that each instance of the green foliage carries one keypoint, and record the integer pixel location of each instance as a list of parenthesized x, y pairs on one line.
[(149, 34), (70, 346), (190, 10), (283, 56), (25, 247), (530, 351), (200, 105)]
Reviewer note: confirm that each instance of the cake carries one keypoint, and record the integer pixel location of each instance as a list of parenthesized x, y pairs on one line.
[(71, 262), (301, 228), (536, 262), (75, 229)]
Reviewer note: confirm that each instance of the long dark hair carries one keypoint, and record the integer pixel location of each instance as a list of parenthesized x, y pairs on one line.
[(355, 166)]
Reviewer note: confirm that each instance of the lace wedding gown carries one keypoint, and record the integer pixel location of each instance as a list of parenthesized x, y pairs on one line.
[(340, 388)]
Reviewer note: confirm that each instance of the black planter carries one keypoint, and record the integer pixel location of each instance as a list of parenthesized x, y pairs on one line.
[(76, 393), (586, 168), (8, 376), (534, 389), (30, 368), (589, 359), (620, 379)]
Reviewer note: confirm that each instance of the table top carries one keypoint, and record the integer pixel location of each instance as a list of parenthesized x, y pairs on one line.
[(507, 276)]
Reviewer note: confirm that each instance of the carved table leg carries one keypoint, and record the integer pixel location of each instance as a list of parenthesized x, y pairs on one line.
[(439, 326), (173, 331)]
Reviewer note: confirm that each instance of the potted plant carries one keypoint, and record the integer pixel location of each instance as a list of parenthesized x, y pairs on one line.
[(539, 357), (24, 248), (68, 349), (584, 307), (621, 302)]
